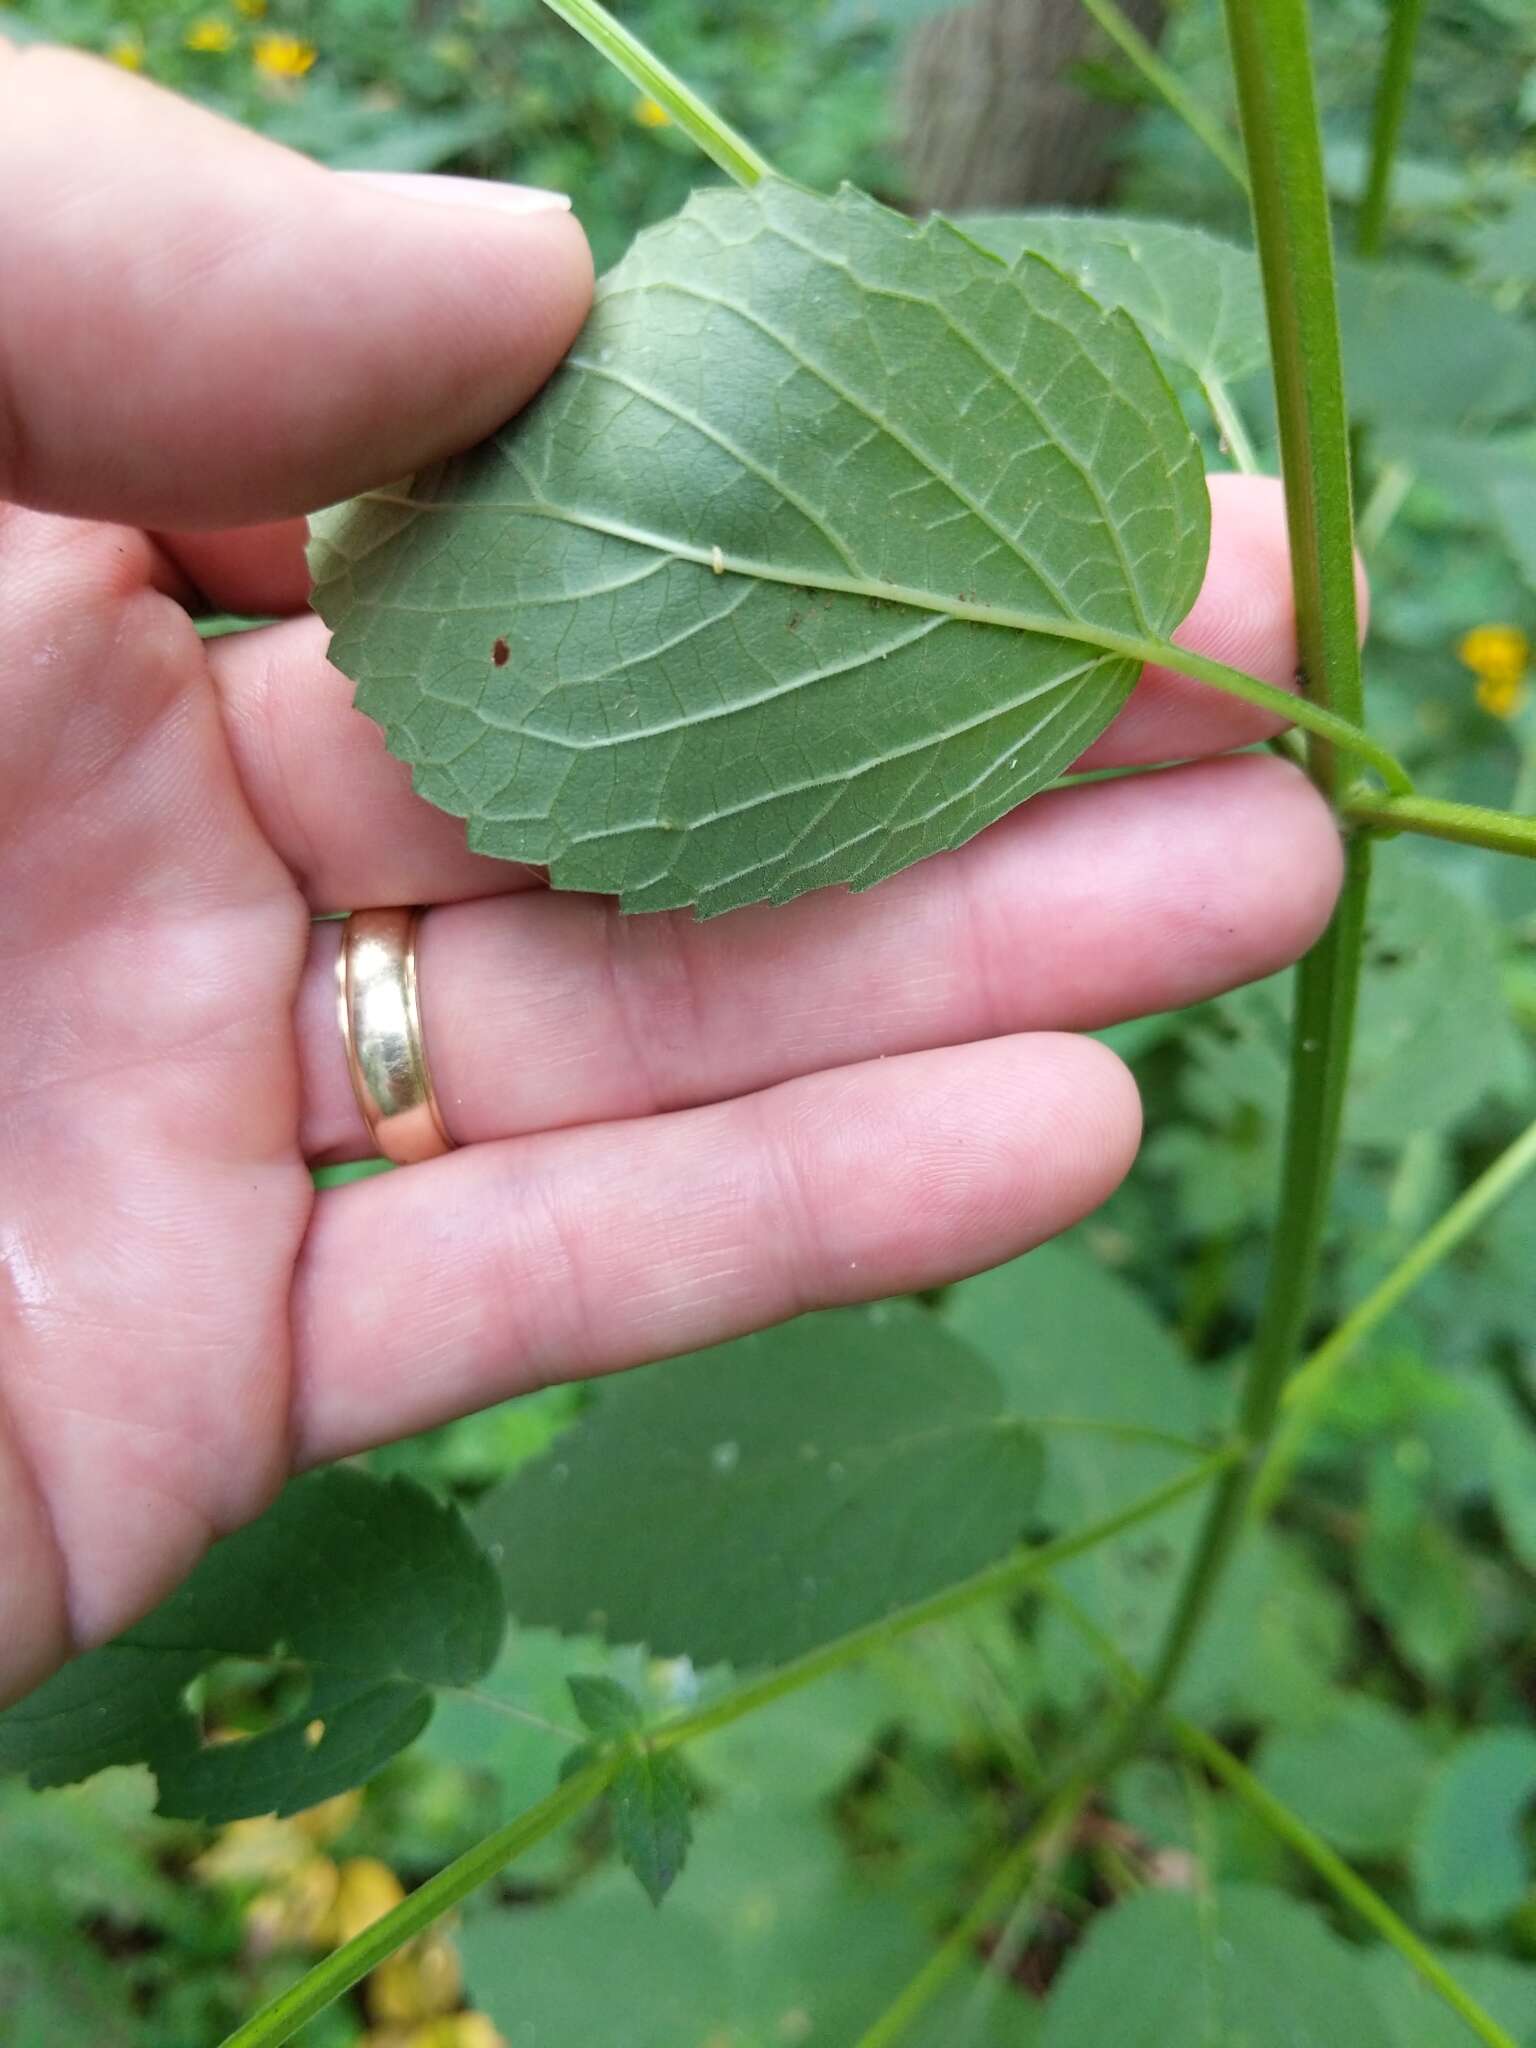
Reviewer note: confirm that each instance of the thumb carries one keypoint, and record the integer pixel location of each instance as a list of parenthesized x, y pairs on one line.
[(200, 328)]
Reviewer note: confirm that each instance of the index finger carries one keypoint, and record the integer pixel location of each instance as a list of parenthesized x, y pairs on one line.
[(200, 328)]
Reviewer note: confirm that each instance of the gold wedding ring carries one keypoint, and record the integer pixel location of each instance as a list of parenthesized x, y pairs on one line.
[(380, 1011)]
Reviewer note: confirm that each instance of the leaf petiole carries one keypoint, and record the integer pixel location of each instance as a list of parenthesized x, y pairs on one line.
[(699, 121), (1165, 81), (1436, 818)]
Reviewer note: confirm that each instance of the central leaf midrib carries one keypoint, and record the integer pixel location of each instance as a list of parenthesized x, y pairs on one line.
[(883, 425), (1084, 631)]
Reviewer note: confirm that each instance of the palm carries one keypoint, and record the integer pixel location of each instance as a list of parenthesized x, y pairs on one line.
[(153, 1199)]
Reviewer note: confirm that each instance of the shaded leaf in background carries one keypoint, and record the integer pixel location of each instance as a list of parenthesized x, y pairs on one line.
[(1073, 1343), (762, 593), (748, 1502), (1238, 1964), (1417, 2017), (1410, 1570), (1471, 1863), (373, 1589), (1421, 347), (1422, 1064), (1357, 1775), (1194, 296)]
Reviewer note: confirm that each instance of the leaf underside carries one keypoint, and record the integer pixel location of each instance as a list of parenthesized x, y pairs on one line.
[(790, 576)]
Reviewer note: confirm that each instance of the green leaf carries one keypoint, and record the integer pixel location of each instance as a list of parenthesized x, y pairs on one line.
[(1242, 1966), (1357, 1776), (1471, 1865), (794, 573), (372, 1592), (1421, 1064), (747, 1503), (1421, 348), (652, 1804), (1411, 1571), (1112, 1366), (606, 1707), (1194, 296), (57, 1987)]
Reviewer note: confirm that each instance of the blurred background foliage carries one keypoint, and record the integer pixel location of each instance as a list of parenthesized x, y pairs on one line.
[(1376, 1661)]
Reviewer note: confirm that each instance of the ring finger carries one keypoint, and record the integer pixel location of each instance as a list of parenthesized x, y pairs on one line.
[(1089, 905)]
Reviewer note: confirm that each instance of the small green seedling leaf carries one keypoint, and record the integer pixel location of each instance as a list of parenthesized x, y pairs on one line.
[(793, 573), (369, 1592), (650, 1795), (605, 1706)]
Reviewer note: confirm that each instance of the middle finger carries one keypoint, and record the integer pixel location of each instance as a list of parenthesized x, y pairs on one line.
[(1089, 905)]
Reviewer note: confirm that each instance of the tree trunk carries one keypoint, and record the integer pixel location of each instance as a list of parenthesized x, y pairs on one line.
[(990, 120)]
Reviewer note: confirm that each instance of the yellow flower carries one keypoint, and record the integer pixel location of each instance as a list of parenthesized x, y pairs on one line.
[(652, 114), (281, 56), (366, 1891), (420, 1982), (1499, 657), (1496, 653), (210, 33), (1502, 696), (127, 51), (253, 10), (455, 2030)]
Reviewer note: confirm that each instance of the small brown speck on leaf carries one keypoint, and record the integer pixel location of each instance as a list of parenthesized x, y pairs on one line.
[(499, 652)]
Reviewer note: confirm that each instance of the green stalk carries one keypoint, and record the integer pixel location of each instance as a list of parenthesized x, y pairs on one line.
[(281, 2019), (1467, 824), (1230, 425), (1308, 1389), (1345, 1884), (1167, 84), (718, 140), (1031, 1858), (291, 2009), (1387, 123), (1272, 60)]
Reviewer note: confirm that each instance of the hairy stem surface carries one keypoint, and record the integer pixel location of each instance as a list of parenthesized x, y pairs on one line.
[(1272, 59)]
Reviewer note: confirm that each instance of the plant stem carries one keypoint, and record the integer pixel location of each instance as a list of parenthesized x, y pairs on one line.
[(1383, 505), (1165, 81), (1291, 1829), (1032, 1857), (1351, 1889), (291, 2009), (1467, 824), (1230, 425), (718, 140), (1307, 1390), (1387, 123), (1272, 60)]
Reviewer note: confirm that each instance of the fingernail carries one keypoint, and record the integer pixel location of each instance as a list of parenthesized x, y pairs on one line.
[(483, 192)]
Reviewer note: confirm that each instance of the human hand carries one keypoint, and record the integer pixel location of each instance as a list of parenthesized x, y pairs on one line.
[(671, 1132)]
